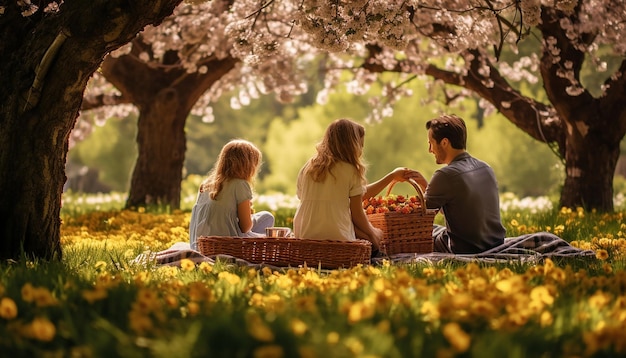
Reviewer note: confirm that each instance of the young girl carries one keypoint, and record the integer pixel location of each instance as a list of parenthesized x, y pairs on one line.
[(331, 187), (223, 206)]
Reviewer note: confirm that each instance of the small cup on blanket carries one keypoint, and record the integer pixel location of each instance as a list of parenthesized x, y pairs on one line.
[(277, 232)]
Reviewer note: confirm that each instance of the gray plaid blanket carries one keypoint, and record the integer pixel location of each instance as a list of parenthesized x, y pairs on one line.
[(181, 250), (526, 248)]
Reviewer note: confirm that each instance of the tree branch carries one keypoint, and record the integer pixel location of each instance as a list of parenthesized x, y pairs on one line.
[(93, 102), (32, 98)]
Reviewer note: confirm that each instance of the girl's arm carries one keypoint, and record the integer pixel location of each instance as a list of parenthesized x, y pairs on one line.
[(244, 213), (362, 225)]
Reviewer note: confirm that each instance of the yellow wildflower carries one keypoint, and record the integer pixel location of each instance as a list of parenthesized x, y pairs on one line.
[(268, 351), (599, 300), (100, 266), (602, 254), (229, 277), (541, 294), (193, 308), (187, 265), (205, 267), (546, 319), (42, 329), (8, 308), (456, 336), (94, 295), (28, 292), (139, 322), (258, 329), (298, 327), (332, 337)]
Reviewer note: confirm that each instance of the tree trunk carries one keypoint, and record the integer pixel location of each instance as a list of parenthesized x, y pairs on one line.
[(45, 63), (164, 96), (589, 168), (161, 142)]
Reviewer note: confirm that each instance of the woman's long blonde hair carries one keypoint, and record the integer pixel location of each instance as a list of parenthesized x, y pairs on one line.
[(343, 141), (238, 159)]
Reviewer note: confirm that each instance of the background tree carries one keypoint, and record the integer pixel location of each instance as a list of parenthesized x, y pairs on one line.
[(48, 52), (412, 38), (178, 68)]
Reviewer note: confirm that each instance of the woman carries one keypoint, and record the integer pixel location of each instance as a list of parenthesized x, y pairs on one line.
[(331, 187)]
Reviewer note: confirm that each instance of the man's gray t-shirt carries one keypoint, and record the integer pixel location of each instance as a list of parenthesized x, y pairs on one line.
[(466, 190)]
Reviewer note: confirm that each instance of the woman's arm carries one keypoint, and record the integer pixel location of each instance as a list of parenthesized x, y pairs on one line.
[(362, 225), (398, 174), (244, 213)]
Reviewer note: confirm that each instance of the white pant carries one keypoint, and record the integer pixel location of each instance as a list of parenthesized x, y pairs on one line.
[(260, 221)]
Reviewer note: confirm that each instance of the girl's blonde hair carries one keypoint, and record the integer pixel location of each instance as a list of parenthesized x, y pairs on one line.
[(238, 159), (343, 141)]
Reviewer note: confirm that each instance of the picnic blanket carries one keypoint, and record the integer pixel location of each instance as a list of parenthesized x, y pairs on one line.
[(181, 250), (525, 248), (532, 247)]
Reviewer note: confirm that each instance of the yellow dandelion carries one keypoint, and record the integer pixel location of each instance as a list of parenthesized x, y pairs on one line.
[(510, 285), (28, 292), (8, 308), (383, 326), (43, 297), (269, 351), (229, 277), (514, 222), (139, 322), (355, 346), (602, 254), (100, 266), (608, 269), (92, 296), (456, 336), (258, 329), (542, 295), (548, 266), (430, 310), (187, 265), (42, 329), (205, 267), (546, 319), (141, 278), (298, 327), (599, 300), (332, 337), (559, 229), (193, 308)]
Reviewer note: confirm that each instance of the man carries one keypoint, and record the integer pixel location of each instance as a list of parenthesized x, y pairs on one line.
[(465, 190)]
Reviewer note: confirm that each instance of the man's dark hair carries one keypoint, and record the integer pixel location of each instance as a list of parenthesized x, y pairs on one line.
[(451, 127)]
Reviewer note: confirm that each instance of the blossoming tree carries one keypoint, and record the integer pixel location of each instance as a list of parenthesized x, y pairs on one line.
[(180, 67), (416, 37), (48, 51)]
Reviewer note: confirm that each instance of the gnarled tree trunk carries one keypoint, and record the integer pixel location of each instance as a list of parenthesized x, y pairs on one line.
[(164, 96), (45, 62)]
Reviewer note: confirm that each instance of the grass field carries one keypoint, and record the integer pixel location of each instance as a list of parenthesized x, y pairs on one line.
[(95, 303)]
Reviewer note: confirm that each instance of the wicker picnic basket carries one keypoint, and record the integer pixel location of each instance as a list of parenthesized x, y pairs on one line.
[(289, 251), (406, 233)]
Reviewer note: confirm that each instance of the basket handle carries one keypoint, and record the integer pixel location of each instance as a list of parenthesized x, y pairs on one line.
[(418, 189)]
